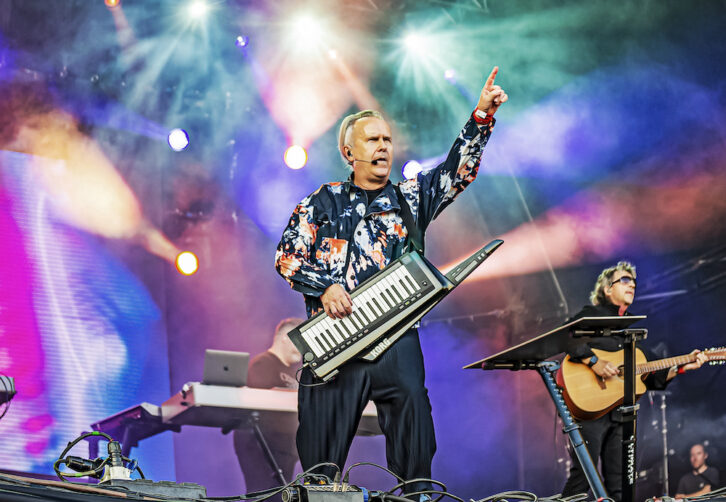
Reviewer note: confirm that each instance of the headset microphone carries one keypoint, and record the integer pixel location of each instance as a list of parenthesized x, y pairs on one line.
[(374, 162)]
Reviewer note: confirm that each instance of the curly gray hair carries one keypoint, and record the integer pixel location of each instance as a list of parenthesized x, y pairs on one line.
[(597, 296)]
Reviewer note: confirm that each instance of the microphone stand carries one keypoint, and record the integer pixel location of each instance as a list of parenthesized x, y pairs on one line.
[(664, 435)]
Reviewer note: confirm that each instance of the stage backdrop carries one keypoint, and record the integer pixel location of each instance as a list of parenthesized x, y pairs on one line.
[(79, 331)]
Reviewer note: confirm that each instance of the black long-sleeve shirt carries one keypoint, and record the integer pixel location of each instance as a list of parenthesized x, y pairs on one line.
[(581, 348)]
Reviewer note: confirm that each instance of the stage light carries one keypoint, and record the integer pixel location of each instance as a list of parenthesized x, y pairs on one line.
[(307, 32), (242, 41), (411, 168), (178, 140), (187, 263), (296, 157), (417, 44), (112, 3), (425, 54), (412, 40), (197, 9)]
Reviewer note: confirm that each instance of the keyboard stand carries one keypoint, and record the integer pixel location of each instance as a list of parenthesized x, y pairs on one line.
[(254, 422), (532, 355)]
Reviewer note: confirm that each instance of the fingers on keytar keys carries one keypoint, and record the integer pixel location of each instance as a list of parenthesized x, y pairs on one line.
[(346, 307)]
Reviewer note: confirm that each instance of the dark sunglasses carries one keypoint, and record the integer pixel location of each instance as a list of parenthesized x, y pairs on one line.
[(626, 279)]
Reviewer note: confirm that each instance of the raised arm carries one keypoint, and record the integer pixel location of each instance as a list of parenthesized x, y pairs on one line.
[(441, 185)]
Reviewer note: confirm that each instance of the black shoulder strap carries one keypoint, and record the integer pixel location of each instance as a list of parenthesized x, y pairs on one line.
[(415, 236)]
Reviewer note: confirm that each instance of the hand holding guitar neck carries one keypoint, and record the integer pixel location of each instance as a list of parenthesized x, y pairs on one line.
[(701, 359)]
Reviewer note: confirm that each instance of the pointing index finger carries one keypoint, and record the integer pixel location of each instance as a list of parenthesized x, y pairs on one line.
[(492, 76)]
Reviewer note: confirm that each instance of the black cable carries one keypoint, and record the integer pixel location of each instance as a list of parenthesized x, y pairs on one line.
[(417, 480), (357, 464), (709, 496), (93, 472), (136, 466), (579, 497), (436, 492), (299, 382), (575, 498), (274, 491), (402, 483), (444, 490), (71, 444), (385, 497), (518, 495)]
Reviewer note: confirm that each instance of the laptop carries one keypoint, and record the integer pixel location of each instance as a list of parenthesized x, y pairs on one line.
[(225, 367)]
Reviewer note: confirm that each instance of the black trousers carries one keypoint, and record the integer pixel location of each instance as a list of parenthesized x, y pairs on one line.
[(329, 414), (603, 437)]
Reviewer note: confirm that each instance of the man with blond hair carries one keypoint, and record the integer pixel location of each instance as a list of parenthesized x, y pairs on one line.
[(613, 293), (344, 233)]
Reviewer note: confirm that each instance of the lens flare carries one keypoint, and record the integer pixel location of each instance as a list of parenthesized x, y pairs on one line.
[(296, 157), (307, 31), (242, 41), (411, 169), (197, 10), (178, 139), (416, 43), (187, 263)]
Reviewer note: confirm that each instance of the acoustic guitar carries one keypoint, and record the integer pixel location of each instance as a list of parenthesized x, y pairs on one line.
[(589, 396)]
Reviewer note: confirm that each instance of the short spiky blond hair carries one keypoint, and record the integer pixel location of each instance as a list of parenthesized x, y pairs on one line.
[(347, 124), (597, 296)]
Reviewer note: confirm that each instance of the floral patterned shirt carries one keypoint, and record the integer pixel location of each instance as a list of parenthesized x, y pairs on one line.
[(313, 250)]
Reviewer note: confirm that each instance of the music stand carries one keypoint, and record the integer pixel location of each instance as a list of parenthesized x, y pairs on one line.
[(533, 355)]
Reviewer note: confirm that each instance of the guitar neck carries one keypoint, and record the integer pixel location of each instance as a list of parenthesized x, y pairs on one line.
[(662, 364)]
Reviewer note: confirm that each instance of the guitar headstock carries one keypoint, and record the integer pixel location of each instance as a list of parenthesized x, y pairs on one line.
[(716, 355)]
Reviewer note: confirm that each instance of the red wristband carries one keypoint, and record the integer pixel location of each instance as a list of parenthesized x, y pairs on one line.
[(482, 118), (681, 370)]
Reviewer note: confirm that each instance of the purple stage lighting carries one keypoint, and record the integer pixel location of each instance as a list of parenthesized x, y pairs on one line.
[(242, 41)]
